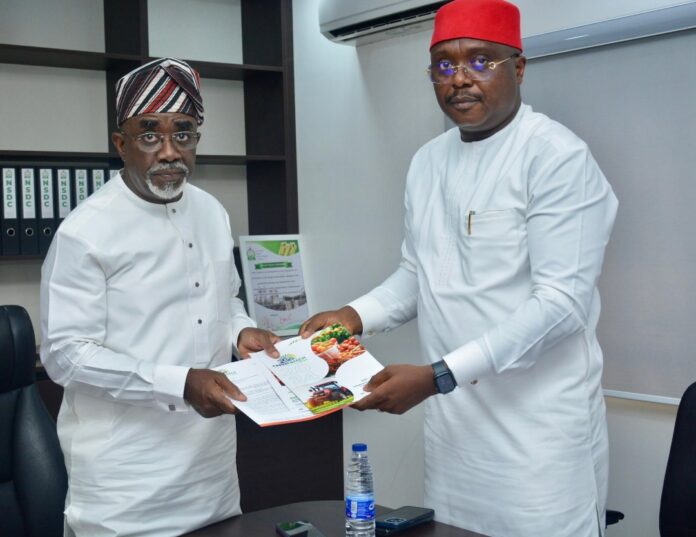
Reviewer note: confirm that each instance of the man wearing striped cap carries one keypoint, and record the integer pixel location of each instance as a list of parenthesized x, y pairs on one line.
[(138, 304)]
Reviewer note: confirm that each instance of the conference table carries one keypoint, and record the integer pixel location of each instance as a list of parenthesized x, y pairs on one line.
[(326, 516)]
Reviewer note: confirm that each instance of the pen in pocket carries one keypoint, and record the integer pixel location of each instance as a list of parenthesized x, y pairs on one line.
[(468, 221)]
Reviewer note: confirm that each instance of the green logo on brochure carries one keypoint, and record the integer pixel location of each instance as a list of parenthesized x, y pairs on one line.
[(286, 359)]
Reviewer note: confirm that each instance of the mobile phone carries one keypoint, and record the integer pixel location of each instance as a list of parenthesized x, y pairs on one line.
[(297, 528), (401, 519)]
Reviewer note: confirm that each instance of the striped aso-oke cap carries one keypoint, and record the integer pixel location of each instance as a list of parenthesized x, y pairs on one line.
[(164, 85)]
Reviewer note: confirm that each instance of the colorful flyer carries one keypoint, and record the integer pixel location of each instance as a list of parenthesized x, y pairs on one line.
[(274, 282), (312, 377), (325, 372)]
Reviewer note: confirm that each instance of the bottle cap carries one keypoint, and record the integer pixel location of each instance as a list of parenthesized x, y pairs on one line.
[(359, 447)]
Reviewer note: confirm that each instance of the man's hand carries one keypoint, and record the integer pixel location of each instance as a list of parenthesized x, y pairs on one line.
[(398, 388), (207, 391), (254, 339), (347, 316)]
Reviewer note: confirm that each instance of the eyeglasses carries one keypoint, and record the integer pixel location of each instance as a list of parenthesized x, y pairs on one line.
[(477, 68), (151, 142)]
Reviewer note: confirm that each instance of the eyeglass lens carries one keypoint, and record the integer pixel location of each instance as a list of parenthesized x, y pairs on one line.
[(151, 141), (478, 67)]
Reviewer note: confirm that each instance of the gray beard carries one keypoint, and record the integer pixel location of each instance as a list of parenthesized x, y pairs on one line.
[(169, 191)]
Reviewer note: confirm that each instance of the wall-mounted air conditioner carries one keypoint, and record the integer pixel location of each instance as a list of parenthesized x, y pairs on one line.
[(357, 22), (548, 27)]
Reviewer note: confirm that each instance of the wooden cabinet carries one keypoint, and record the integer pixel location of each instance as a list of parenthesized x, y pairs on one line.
[(267, 77)]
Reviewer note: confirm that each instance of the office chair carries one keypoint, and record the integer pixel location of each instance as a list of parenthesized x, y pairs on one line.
[(612, 517), (678, 503), (33, 480)]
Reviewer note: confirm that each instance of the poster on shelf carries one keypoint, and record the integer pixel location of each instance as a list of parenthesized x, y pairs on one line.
[(274, 282)]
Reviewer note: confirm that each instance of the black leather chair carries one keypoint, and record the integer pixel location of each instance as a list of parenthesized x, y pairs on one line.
[(613, 517), (678, 503), (33, 480)]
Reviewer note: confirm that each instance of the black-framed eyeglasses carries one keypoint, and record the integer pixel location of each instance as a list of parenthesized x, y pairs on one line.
[(151, 142), (477, 68)]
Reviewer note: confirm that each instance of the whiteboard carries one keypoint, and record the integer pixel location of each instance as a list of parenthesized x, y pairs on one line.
[(635, 106)]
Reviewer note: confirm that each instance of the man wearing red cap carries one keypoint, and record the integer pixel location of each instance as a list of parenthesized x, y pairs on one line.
[(138, 303), (507, 219)]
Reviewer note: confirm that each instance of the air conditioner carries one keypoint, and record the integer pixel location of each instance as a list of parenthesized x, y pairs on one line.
[(547, 27), (357, 22)]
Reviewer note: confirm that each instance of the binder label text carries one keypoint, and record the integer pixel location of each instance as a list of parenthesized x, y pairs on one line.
[(46, 192), (9, 193)]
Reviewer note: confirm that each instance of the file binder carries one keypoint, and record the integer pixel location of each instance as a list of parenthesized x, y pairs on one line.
[(10, 217), (81, 185), (47, 223), (65, 199), (29, 241), (98, 179)]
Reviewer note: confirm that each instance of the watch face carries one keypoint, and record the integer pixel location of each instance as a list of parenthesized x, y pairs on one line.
[(445, 383)]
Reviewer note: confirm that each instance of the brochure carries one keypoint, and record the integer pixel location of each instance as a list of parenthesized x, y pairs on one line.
[(274, 282), (312, 377)]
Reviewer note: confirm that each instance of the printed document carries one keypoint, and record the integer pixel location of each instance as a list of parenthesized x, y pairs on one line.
[(311, 378)]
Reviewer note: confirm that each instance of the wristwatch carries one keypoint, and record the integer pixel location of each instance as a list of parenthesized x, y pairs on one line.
[(443, 377)]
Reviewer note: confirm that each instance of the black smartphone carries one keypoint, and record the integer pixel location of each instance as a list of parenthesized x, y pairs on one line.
[(401, 519), (297, 528)]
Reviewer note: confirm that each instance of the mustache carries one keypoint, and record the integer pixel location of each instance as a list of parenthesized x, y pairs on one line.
[(461, 97), (176, 166)]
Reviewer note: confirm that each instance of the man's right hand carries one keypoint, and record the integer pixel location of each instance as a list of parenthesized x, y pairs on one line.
[(207, 391), (347, 316)]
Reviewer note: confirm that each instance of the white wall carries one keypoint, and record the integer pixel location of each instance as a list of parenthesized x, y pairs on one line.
[(639, 438), (38, 23), (601, 94), (361, 114), (215, 25), (45, 105)]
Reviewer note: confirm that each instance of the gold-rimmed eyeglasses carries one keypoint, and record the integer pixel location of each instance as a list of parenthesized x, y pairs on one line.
[(151, 142), (477, 68)]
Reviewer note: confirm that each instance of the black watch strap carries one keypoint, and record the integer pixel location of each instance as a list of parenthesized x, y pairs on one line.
[(443, 377)]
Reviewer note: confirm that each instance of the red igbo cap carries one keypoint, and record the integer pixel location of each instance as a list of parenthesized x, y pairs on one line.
[(488, 20)]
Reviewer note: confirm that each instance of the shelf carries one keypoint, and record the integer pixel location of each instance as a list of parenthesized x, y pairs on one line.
[(71, 59), (232, 71), (112, 158), (267, 77), (56, 156), (100, 61), (237, 160), (24, 257)]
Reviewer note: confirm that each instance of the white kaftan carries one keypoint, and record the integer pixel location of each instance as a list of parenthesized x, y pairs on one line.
[(133, 294), (504, 242)]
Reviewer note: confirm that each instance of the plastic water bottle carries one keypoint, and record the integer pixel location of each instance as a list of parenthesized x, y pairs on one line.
[(360, 495)]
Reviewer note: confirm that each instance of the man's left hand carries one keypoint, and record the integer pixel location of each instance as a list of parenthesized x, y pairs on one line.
[(254, 339), (398, 388)]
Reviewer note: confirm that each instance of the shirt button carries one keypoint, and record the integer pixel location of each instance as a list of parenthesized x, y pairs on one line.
[(173, 210), (190, 245), (198, 284), (200, 321), (474, 381)]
